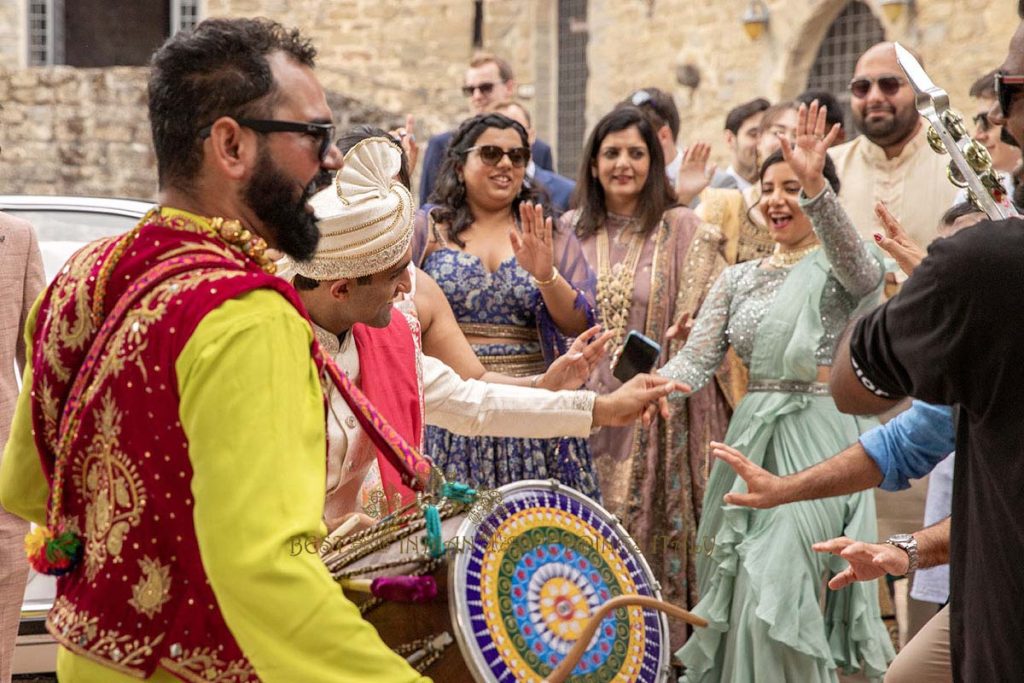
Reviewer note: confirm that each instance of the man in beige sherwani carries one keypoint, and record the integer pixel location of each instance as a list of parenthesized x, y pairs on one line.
[(21, 281)]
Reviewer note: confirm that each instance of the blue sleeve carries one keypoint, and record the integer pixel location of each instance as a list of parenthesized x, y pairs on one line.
[(911, 444), (432, 165), (542, 156)]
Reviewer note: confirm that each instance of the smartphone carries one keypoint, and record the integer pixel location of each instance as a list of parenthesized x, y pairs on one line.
[(639, 354)]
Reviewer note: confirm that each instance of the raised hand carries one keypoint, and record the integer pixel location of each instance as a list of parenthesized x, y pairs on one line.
[(867, 560), (764, 489), (407, 136), (640, 397), (533, 246), (807, 155), (573, 368), (896, 242), (694, 172)]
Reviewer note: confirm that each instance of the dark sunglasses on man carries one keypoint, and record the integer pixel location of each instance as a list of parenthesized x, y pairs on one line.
[(323, 133), (492, 154), (1008, 85), (889, 85), (484, 88)]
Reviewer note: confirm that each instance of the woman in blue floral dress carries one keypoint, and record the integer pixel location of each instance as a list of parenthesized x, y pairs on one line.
[(518, 289)]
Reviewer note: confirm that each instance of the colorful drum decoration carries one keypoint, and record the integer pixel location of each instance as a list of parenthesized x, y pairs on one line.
[(528, 576)]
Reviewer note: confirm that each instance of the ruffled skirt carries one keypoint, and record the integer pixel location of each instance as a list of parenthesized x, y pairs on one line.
[(763, 590)]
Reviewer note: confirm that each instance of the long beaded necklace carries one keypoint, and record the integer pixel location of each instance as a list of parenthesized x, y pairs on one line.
[(615, 286)]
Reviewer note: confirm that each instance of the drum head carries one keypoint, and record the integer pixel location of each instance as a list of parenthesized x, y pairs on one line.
[(530, 572)]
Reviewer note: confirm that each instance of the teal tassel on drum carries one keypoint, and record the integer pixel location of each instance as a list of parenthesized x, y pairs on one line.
[(434, 540), (458, 492)]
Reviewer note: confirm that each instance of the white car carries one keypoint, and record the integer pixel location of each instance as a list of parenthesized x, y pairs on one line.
[(63, 225)]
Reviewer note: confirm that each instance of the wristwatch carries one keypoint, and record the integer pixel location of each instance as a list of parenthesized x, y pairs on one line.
[(908, 544)]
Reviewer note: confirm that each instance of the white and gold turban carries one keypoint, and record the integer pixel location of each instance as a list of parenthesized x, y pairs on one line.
[(365, 217)]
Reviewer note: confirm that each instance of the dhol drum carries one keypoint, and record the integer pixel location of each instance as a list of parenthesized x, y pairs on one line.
[(524, 569)]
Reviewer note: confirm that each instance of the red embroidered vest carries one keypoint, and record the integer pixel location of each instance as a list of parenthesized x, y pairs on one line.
[(140, 597)]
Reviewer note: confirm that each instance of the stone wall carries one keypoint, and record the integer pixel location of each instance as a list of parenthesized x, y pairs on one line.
[(13, 41), (959, 41), (86, 132)]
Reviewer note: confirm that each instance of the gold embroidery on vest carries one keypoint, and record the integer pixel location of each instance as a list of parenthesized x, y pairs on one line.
[(79, 632), (51, 409), (203, 664), (153, 589), (110, 482), (64, 331)]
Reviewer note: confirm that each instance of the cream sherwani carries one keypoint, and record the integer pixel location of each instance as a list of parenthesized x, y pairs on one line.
[(913, 185), (21, 281), (468, 407)]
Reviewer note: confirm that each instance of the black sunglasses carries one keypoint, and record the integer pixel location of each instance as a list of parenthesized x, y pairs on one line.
[(889, 85), (492, 154), (484, 88), (323, 133), (1006, 87)]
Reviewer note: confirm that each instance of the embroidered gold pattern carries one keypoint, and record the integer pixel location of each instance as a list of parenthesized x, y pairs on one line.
[(79, 631), (202, 664), (153, 589), (64, 331), (109, 480)]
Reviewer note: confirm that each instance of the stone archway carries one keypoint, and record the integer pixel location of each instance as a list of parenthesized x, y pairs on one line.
[(807, 35)]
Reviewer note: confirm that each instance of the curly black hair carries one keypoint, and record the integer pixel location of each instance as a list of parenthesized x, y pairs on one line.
[(450, 192)]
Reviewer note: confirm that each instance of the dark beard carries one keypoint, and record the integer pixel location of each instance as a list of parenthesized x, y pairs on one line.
[(885, 133), (269, 194)]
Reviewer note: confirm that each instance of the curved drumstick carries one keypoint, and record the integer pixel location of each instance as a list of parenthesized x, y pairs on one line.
[(563, 670)]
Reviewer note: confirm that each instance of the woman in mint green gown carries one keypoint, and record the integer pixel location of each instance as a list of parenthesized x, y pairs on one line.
[(762, 589)]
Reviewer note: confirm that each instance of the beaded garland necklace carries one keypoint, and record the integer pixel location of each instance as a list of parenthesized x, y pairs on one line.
[(615, 286), (56, 548)]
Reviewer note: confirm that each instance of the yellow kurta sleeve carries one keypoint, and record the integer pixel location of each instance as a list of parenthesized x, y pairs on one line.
[(23, 487), (252, 409)]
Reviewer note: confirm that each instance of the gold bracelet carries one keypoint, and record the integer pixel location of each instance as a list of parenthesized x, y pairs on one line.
[(549, 281)]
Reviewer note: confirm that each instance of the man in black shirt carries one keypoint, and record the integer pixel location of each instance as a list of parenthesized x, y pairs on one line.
[(953, 336)]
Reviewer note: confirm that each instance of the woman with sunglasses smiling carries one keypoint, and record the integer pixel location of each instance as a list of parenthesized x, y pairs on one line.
[(517, 287), (654, 262), (761, 585)]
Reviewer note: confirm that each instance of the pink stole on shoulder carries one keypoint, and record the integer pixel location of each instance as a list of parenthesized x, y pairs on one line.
[(389, 379)]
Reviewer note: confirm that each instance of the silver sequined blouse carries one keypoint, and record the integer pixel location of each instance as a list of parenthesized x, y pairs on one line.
[(743, 293)]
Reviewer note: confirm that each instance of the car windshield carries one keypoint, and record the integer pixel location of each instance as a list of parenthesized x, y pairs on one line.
[(61, 233)]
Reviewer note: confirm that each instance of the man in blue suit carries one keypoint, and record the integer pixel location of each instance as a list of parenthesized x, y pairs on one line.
[(489, 79), (558, 188)]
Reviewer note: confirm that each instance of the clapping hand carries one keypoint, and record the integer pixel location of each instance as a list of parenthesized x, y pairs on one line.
[(533, 246), (896, 242), (695, 173), (573, 368), (807, 155)]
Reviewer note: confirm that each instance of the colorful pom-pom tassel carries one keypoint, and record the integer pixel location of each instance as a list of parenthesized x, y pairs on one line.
[(53, 552)]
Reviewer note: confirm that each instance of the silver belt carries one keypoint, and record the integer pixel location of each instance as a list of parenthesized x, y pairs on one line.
[(791, 386)]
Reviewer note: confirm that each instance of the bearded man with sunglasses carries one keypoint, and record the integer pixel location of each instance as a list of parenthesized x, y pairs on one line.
[(489, 80), (172, 433), (891, 161)]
